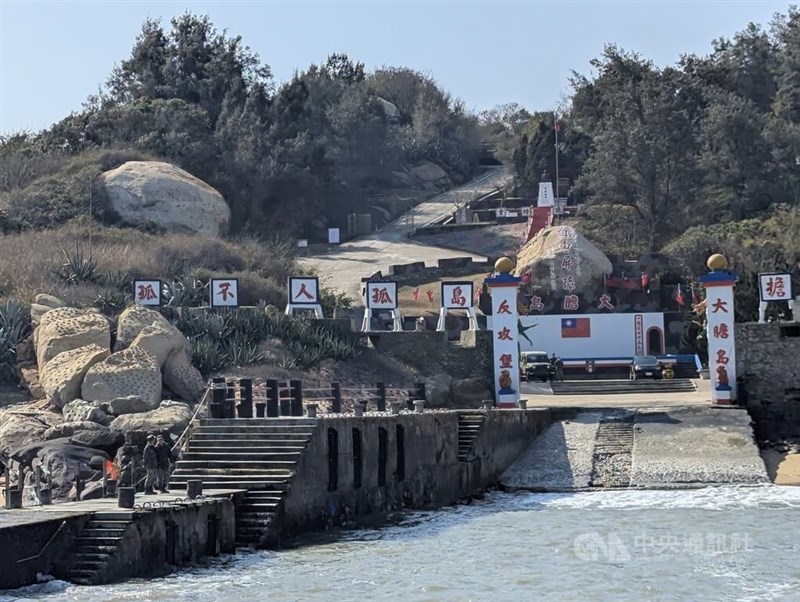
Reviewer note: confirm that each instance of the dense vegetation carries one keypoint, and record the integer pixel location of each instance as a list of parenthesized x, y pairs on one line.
[(285, 158), (699, 157)]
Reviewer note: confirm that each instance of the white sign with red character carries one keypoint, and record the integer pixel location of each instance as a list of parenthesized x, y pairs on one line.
[(224, 292), (457, 295), (775, 287), (381, 295), (147, 292), (303, 290), (504, 289)]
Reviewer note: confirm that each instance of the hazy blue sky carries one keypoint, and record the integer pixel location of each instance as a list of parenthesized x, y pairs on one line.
[(54, 54)]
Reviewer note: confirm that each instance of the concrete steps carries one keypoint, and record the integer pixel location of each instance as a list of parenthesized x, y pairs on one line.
[(604, 387), (95, 545), (613, 449), (258, 455), (469, 425)]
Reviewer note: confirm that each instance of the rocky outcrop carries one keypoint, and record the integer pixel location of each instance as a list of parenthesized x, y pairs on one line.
[(62, 376), (81, 410), (170, 418), (43, 303), (562, 257), (132, 371), (125, 405), (67, 328), (469, 393), (437, 390), (146, 329), (152, 193), (21, 428)]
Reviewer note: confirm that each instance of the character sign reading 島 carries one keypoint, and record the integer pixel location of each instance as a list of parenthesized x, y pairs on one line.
[(504, 289), (457, 295), (719, 283)]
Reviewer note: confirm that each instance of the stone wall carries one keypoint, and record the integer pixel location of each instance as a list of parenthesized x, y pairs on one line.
[(768, 360), (430, 351), (433, 474)]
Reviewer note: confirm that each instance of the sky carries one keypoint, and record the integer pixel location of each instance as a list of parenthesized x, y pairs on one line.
[(54, 54)]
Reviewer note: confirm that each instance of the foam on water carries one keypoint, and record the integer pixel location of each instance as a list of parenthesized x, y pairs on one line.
[(519, 546)]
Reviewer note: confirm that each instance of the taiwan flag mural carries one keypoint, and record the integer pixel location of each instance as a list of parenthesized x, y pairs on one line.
[(576, 328)]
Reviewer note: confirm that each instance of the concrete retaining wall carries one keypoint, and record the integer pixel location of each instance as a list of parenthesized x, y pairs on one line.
[(433, 474), (768, 357), (21, 542)]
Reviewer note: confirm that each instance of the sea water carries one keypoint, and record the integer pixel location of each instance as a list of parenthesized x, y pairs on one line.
[(712, 544)]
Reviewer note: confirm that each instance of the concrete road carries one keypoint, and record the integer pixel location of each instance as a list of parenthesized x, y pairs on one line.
[(343, 267)]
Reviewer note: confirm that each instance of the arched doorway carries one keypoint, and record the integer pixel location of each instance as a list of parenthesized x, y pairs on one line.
[(655, 341)]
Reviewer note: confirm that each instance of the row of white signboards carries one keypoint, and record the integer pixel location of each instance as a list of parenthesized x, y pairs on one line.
[(304, 290)]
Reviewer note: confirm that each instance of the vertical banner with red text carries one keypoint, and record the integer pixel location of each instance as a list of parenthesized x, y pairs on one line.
[(720, 331), (505, 327)]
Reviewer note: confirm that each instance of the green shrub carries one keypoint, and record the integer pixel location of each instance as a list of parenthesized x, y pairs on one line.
[(78, 269), (15, 326), (208, 356)]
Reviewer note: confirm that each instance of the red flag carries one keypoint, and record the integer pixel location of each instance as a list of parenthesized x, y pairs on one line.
[(645, 281), (415, 293), (429, 292), (679, 296), (526, 278), (695, 296)]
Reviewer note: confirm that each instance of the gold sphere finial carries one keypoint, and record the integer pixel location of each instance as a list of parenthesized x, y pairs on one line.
[(503, 265), (717, 262)]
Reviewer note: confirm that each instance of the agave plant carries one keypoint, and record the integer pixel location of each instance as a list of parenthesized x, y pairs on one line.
[(241, 351), (78, 268), (208, 356), (15, 326)]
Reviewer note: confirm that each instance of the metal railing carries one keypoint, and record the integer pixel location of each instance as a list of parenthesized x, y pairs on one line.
[(203, 405)]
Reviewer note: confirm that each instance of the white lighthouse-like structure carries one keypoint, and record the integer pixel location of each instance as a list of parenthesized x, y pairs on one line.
[(546, 197)]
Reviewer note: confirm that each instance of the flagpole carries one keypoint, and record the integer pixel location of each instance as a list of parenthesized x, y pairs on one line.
[(555, 120)]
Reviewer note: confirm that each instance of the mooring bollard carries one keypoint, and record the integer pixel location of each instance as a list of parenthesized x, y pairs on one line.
[(194, 488), (396, 406), (311, 410), (246, 398), (13, 499), (126, 496), (523, 404), (488, 404), (358, 410), (336, 395), (419, 406)]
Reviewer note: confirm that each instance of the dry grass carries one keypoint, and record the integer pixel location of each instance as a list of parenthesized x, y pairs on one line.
[(30, 261), (424, 306)]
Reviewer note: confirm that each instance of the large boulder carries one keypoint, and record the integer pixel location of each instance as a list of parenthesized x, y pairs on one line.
[(81, 410), (438, 390), (125, 405), (152, 193), (43, 303), (169, 347), (22, 428), (170, 418), (561, 256), (132, 371), (68, 429), (430, 175), (133, 320), (88, 434), (469, 393), (62, 376), (66, 328)]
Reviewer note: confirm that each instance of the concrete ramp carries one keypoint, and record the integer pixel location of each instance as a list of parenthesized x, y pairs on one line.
[(670, 448)]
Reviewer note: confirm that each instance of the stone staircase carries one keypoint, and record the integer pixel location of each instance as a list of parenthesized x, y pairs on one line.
[(469, 425), (604, 387), (95, 545), (256, 454)]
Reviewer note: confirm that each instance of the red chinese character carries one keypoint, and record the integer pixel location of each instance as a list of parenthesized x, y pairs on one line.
[(458, 298), (505, 360), (536, 303), (722, 357), (571, 302), (605, 302), (719, 305), (720, 331), (505, 334), (565, 245), (381, 295), (504, 308), (429, 292), (775, 287), (566, 262), (224, 291), (569, 283), (146, 292), (303, 291)]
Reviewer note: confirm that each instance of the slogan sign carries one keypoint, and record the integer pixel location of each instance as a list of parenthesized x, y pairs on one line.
[(224, 292), (775, 287), (381, 294), (303, 290), (457, 295), (720, 331), (147, 292), (505, 333)]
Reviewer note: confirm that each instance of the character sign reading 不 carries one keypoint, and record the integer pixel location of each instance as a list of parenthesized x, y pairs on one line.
[(224, 292)]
